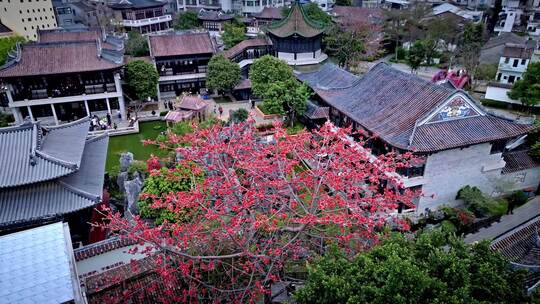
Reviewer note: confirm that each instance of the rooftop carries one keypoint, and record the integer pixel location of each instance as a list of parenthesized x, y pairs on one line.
[(296, 23), (246, 44), (58, 58), (50, 171), (408, 112), (179, 44), (193, 103), (351, 15), (64, 36), (272, 13), (516, 51), (520, 245), (214, 16), (135, 4), (4, 29), (504, 38), (518, 161), (37, 266)]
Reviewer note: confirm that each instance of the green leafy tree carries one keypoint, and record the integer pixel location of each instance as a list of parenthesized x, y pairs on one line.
[(233, 34), (469, 48), (136, 45), (159, 185), (431, 268), (268, 69), (313, 12), (273, 80), (223, 74), (394, 29), (346, 46), (239, 115), (527, 90), (6, 45), (6, 119), (416, 55), (186, 21), (287, 97), (141, 79)]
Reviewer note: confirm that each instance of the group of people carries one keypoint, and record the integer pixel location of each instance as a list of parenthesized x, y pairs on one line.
[(104, 123)]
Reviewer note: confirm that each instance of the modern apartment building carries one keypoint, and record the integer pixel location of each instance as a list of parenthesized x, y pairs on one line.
[(26, 17)]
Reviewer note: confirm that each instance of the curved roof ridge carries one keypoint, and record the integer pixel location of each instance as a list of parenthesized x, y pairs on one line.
[(24, 126), (98, 137), (288, 28), (69, 124), (80, 192), (57, 161)]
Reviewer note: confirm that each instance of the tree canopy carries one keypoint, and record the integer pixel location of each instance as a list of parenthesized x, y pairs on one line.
[(273, 80), (259, 207), (136, 45), (187, 20), (416, 55), (223, 74), (347, 46), (141, 79), (431, 268), (233, 34), (527, 90), (6, 45)]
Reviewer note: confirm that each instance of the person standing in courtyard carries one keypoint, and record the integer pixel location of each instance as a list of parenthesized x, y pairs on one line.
[(220, 109)]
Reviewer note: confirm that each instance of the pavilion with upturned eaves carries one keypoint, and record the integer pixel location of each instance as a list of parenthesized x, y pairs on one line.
[(297, 39)]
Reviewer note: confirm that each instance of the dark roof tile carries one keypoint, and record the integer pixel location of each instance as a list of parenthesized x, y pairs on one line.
[(296, 23), (57, 58), (246, 44), (179, 44)]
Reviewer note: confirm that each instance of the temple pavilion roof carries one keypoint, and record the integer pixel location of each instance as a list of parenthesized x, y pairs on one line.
[(408, 112), (296, 23), (49, 171)]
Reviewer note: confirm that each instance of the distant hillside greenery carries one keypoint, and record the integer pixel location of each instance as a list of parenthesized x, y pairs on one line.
[(7, 44)]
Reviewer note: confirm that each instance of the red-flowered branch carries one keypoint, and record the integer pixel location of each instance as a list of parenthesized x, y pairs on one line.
[(263, 208)]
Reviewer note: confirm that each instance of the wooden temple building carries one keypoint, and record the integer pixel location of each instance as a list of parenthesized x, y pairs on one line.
[(143, 16), (181, 60), (64, 77), (459, 141), (296, 38)]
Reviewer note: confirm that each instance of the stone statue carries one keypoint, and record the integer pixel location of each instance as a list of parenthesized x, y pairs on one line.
[(125, 160), (133, 188)]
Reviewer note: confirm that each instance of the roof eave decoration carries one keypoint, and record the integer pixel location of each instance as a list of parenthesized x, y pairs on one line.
[(458, 106), (296, 11)]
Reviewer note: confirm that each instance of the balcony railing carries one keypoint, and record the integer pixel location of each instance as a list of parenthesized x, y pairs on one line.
[(147, 21), (73, 91)]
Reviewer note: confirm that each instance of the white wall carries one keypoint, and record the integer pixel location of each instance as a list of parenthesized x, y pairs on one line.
[(524, 179), (448, 171)]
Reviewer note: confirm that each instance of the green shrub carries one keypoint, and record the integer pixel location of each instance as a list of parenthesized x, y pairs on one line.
[(157, 127), (494, 103), (401, 53), (239, 115), (163, 113), (518, 198), (448, 227), (6, 119), (137, 166), (480, 204)]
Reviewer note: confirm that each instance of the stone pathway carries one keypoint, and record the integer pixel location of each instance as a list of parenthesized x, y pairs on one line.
[(521, 215)]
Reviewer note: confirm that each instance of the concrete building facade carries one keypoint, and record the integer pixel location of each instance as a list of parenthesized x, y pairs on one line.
[(26, 17)]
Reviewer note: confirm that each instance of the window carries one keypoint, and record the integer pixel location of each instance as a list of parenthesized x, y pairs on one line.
[(29, 19), (517, 79), (506, 60), (25, 28), (523, 61), (505, 77), (511, 79), (498, 147), (516, 62), (32, 27), (499, 76)]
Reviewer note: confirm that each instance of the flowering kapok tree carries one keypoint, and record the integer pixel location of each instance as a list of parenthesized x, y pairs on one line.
[(262, 207)]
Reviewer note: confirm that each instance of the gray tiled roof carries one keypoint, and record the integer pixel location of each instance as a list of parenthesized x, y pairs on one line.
[(37, 266), (31, 153), (50, 199), (390, 104)]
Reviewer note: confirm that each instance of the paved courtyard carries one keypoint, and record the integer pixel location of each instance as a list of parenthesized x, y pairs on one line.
[(521, 215)]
